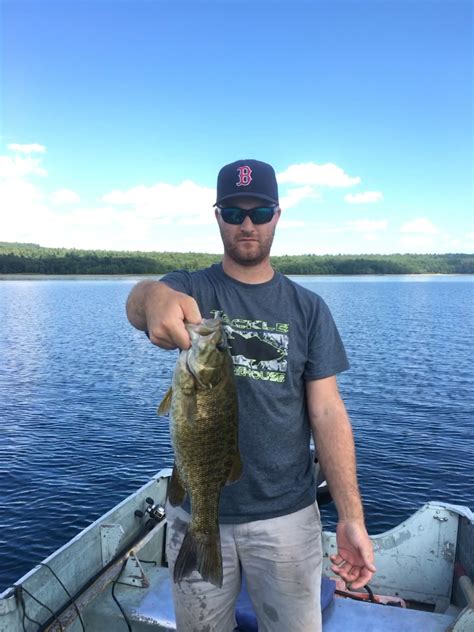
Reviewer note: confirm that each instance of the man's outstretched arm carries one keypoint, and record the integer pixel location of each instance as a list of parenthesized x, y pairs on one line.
[(332, 432)]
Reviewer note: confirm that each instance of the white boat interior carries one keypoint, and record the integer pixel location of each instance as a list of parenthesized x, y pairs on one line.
[(112, 577)]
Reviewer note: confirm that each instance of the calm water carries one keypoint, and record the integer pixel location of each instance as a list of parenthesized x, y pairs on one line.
[(79, 389)]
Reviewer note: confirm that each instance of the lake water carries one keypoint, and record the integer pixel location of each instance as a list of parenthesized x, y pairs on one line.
[(79, 389)]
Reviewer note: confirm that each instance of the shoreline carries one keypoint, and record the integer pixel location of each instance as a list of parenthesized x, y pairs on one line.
[(30, 276)]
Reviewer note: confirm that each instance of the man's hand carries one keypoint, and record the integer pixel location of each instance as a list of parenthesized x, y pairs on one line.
[(154, 307), (354, 561)]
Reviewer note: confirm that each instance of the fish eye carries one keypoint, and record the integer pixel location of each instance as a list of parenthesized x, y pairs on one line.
[(221, 346)]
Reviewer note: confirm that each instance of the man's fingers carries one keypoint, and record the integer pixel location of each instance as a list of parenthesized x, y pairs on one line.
[(363, 579), (355, 576), (190, 309), (343, 570), (164, 341), (368, 559), (348, 573), (190, 314), (180, 335), (354, 573), (164, 344)]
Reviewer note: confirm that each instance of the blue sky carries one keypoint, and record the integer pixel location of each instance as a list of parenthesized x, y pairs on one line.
[(116, 117)]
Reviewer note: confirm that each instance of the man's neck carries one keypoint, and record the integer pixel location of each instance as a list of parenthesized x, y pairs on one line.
[(259, 273)]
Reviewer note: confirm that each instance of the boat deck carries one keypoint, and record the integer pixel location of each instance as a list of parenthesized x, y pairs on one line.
[(151, 609)]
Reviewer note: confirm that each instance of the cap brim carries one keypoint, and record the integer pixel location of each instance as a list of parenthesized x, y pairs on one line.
[(258, 196)]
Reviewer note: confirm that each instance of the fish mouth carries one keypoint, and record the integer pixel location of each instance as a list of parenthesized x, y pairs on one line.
[(206, 327), (207, 339)]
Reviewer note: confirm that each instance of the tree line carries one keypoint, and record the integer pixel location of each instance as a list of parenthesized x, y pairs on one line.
[(23, 258)]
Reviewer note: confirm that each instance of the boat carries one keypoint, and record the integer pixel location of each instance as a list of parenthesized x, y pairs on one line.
[(113, 576)]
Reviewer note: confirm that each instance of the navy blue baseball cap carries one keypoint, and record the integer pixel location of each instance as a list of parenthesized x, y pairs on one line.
[(247, 177)]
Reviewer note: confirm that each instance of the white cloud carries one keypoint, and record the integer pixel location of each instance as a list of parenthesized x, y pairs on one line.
[(419, 225), (64, 196), (181, 218), (367, 225), (188, 202), (16, 167), (28, 149), (417, 243), (295, 195), (24, 216), (453, 244), (142, 218), (367, 197), (18, 194), (309, 173)]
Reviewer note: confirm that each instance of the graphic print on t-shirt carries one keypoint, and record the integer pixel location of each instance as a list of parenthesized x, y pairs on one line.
[(259, 349)]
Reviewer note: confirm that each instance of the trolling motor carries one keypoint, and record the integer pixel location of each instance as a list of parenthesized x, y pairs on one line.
[(154, 513)]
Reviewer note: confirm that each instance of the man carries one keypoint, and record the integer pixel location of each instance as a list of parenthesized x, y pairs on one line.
[(286, 352)]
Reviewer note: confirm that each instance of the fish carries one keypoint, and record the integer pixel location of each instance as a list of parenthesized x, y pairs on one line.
[(203, 407)]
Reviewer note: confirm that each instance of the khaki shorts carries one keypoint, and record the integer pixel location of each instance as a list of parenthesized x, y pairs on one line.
[(281, 559)]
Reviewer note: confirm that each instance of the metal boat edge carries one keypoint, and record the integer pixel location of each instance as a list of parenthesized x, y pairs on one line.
[(418, 560)]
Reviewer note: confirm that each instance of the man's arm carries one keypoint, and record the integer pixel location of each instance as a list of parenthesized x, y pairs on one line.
[(333, 438), (154, 307)]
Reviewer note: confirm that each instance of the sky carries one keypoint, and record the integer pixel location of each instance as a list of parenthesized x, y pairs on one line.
[(116, 116)]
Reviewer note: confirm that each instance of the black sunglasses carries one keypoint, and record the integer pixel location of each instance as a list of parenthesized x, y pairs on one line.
[(237, 215)]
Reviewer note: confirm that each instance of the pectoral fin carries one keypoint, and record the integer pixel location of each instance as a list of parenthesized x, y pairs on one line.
[(176, 490), (164, 407), (236, 470)]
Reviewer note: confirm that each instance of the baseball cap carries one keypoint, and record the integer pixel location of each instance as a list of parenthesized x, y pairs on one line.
[(247, 177)]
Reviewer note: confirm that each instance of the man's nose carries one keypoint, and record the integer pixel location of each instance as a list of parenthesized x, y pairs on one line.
[(247, 224)]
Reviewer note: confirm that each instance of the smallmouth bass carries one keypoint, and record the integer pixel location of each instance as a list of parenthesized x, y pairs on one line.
[(202, 402)]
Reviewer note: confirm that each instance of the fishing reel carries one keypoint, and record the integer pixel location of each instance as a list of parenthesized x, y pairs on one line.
[(154, 513)]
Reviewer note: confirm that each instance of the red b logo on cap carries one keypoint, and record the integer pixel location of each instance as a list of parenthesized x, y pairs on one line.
[(245, 176)]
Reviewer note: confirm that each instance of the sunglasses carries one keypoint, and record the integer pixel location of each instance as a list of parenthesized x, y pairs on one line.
[(237, 215)]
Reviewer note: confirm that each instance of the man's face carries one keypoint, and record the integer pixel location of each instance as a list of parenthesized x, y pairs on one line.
[(247, 244)]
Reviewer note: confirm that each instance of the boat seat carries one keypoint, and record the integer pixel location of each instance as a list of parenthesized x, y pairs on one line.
[(347, 614)]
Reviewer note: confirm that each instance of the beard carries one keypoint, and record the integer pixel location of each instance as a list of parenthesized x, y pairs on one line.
[(247, 253)]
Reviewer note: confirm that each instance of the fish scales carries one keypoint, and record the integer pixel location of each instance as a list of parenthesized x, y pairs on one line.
[(203, 451)]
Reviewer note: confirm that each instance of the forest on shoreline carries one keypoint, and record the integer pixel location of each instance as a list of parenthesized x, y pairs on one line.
[(22, 258)]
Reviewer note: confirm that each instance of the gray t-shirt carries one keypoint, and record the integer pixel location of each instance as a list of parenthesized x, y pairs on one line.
[(281, 335)]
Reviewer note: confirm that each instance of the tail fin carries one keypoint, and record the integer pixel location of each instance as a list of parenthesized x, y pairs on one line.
[(202, 553)]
